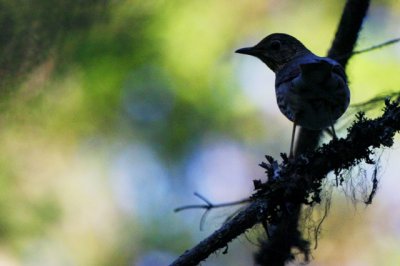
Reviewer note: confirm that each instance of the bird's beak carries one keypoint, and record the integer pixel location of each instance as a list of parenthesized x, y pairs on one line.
[(248, 50)]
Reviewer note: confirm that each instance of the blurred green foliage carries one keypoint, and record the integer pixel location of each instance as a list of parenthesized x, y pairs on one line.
[(30, 30)]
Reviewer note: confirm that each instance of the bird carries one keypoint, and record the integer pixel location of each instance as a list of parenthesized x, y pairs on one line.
[(311, 91)]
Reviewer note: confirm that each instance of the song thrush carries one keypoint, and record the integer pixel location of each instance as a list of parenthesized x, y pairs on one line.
[(311, 91)]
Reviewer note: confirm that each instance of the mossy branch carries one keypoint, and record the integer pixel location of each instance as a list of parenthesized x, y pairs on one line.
[(299, 180)]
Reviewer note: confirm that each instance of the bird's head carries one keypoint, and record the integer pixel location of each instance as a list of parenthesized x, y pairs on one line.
[(276, 50)]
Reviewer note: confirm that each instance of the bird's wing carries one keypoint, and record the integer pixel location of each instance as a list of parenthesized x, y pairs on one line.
[(338, 69), (287, 74), (316, 72), (315, 69)]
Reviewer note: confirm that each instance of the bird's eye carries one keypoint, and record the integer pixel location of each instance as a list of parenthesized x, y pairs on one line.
[(275, 45)]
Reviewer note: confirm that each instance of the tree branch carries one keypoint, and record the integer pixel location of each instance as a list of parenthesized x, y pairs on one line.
[(274, 250), (298, 181), (343, 44), (246, 219), (283, 211), (347, 33)]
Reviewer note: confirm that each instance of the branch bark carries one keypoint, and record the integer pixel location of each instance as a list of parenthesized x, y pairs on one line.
[(246, 219), (298, 181)]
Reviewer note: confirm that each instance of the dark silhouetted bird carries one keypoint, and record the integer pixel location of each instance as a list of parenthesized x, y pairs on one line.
[(311, 91)]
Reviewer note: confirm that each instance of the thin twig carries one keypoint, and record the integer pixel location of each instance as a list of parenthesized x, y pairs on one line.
[(374, 47), (371, 48), (245, 219), (210, 205), (376, 100)]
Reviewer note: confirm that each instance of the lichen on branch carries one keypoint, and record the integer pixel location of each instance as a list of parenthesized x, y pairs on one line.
[(300, 180)]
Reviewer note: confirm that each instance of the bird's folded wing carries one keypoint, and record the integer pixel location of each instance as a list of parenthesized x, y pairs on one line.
[(315, 70), (316, 73)]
